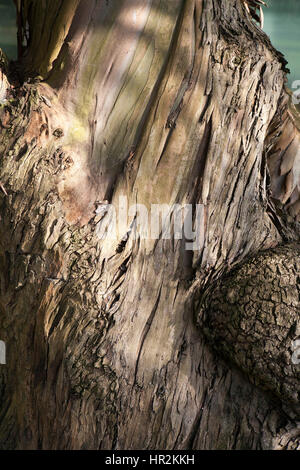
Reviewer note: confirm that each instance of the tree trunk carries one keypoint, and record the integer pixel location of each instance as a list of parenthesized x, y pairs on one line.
[(134, 342)]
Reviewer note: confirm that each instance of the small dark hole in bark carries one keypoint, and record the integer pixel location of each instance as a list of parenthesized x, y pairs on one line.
[(161, 391), (43, 128), (58, 133), (292, 330), (116, 299), (121, 247), (22, 152)]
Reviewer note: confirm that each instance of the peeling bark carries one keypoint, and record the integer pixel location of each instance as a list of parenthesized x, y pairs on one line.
[(160, 102)]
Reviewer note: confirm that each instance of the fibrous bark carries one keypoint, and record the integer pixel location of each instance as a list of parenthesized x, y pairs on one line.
[(252, 316), (158, 102)]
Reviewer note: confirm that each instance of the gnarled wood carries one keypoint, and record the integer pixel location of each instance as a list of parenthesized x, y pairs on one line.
[(159, 102)]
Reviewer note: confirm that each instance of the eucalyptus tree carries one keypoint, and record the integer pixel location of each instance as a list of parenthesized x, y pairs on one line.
[(140, 342)]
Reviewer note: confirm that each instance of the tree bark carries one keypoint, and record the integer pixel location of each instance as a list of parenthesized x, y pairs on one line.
[(137, 343)]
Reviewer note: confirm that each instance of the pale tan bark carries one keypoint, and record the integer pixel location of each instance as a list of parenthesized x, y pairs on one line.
[(161, 102)]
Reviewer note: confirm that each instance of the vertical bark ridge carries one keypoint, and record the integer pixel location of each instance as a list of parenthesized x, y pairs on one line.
[(283, 154)]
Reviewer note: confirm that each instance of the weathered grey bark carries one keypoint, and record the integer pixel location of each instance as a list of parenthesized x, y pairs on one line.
[(112, 344)]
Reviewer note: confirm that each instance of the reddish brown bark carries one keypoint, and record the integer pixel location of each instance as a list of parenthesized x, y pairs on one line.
[(162, 103)]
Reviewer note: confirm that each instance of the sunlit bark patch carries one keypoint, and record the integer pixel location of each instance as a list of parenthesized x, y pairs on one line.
[(254, 8)]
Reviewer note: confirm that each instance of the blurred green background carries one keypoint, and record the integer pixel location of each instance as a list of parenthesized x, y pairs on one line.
[(8, 29), (282, 24)]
